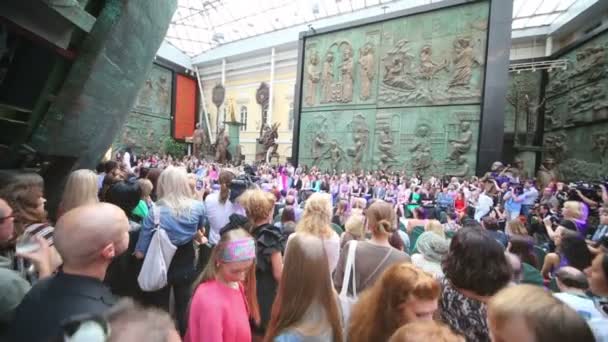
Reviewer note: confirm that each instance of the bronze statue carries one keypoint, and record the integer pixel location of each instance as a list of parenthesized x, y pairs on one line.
[(221, 146), (463, 63), (327, 77), (312, 78), (346, 69), (268, 139), (461, 146), (198, 139), (367, 72), (546, 173)]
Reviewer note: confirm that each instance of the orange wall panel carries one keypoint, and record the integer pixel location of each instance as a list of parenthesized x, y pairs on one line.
[(185, 107)]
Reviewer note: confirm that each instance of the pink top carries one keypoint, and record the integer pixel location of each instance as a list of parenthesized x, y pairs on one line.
[(218, 313)]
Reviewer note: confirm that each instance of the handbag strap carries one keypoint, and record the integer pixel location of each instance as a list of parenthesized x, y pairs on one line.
[(350, 266), (156, 213), (378, 267)]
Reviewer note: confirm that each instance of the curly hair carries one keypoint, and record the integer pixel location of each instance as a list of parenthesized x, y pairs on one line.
[(258, 204), (378, 313), (316, 218), (476, 262)]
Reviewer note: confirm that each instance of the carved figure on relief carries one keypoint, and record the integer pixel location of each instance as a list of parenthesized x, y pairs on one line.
[(318, 140), (555, 146), (346, 69), (462, 145), (313, 77), (327, 77), (385, 145), (397, 67), (428, 68), (600, 144), (366, 65), (360, 140), (464, 61), (552, 119), (422, 159), (590, 59), (336, 154), (198, 139)]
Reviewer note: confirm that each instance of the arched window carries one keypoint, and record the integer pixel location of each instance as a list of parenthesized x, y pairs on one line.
[(244, 118), (290, 118)]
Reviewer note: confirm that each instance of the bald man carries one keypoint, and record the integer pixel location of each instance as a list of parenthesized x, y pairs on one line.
[(87, 238)]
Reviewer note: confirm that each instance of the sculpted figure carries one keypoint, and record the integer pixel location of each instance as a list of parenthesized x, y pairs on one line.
[(269, 138), (336, 154), (346, 69), (366, 65), (198, 138), (385, 145), (312, 78), (361, 140), (463, 63), (397, 67), (600, 144), (546, 173), (428, 68), (221, 146), (319, 141), (327, 77), (422, 159), (462, 145), (555, 146)]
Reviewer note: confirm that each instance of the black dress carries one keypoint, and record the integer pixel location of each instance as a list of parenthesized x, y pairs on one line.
[(268, 241)]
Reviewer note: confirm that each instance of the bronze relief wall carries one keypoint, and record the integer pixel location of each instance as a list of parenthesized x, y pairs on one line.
[(402, 94)]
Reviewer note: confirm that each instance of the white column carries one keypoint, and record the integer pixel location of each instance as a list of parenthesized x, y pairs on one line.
[(220, 109), (204, 109), (271, 87), (548, 46)]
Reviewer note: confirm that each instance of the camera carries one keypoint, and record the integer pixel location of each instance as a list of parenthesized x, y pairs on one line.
[(589, 190), (240, 184)]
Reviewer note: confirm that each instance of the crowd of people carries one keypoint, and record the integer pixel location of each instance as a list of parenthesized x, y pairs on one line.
[(162, 249)]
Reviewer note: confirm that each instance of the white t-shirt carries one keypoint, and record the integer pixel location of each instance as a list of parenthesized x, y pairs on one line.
[(218, 215), (484, 204), (429, 266)]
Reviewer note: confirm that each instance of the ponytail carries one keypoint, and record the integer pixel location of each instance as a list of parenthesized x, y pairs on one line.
[(225, 179)]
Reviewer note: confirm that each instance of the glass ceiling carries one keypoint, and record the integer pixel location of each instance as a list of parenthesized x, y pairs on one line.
[(201, 25)]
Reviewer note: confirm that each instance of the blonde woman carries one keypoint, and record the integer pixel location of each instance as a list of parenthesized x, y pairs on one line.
[(306, 307), (435, 227), (259, 207), (80, 189), (529, 313), (316, 220), (354, 229), (183, 218)]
